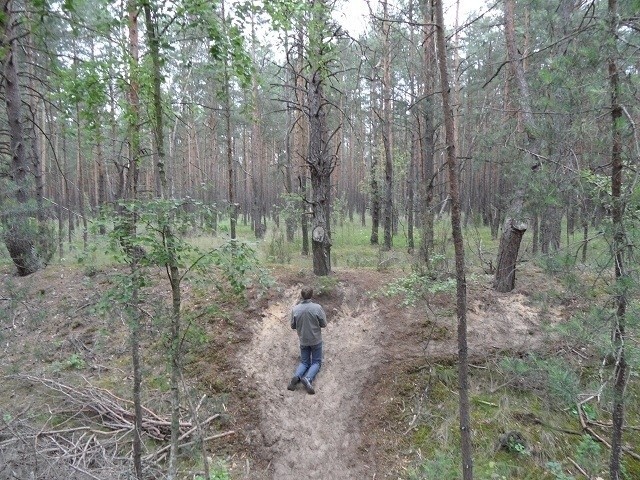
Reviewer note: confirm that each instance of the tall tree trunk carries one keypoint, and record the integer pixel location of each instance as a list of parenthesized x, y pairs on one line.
[(37, 147), (290, 93), (619, 246), (129, 233), (257, 149), (514, 225), (100, 167), (585, 237), (386, 129), (413, 156), (461, 282), (373, 175), (169, 240), (231, 191), (320, 162), (427, 135), (80, 181), (158, 120), (21, 240), (102, 178), (68, 197), (413, 125), (535, 227), (300, 140)]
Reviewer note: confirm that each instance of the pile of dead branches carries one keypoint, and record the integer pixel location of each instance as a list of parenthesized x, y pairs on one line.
[(58, 454), (87, 436)]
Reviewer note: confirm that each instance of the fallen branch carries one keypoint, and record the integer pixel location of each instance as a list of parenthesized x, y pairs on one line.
[(580, 469), (591, 432), (182, 437)]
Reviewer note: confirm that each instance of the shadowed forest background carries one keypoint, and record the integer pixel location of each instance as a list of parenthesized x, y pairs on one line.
[(171, 172)]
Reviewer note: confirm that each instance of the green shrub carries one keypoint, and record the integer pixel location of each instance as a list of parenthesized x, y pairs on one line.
[(75, 362), (325, 285), (552, 378), (415, 286), (555, 468), (557, 263), (278, 250), (589, 455)]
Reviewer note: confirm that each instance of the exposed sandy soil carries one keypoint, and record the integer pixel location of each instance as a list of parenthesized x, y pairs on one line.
[(315, 435), (341, 432)]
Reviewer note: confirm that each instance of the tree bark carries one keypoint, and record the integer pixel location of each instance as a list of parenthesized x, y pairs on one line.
[(320, 162), (413, 156), (80, 175), (508, 255), (373, 177), (131, 192), (414, 125), (514, 225), (461, 282), (427, 135), (619, 246), (290, 92), (231, 191), (257, 150), (20, 239), (386, 129), (300, 138)]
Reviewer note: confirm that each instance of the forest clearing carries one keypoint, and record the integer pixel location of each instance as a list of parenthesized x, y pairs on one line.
[(457, 183)]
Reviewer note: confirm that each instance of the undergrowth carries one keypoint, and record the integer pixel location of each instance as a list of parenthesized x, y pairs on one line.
[(519, 433), (526, 409), (415, 287)]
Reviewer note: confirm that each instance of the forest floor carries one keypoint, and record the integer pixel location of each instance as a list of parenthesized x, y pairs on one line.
[(344, 431)]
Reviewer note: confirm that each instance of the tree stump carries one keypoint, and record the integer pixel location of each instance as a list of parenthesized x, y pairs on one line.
[(513, 231)]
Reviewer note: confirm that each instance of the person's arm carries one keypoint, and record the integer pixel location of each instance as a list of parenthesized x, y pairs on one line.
[(293, 321), (322, 318)]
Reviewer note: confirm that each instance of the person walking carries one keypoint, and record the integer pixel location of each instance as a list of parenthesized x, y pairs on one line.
[(308, 318)]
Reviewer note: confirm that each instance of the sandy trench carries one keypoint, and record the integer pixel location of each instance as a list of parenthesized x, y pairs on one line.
[(319, 436), (314, 436)]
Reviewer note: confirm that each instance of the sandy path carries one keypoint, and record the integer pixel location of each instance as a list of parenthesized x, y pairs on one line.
[(314, 436)]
